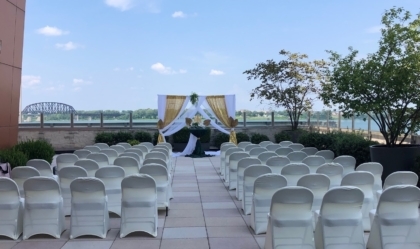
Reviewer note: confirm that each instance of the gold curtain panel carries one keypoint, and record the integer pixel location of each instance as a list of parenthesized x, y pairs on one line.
[(173, 108), (218, 105)]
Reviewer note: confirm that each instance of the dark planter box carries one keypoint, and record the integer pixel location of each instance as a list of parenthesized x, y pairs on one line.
[(400, 158), (179, 147)]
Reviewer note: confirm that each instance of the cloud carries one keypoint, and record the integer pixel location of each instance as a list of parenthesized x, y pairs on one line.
[(216, 72), (152, 6), (182, 71), (54, 88), (160, 68), (178, 14), (375, 29), (51, 31), (79, 82), (130, 69), (117, 69), (122, 5), (30, 81), (76, 89), (68, 46)]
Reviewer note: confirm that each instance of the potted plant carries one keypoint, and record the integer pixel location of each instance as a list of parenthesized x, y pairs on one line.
[(384, 85)]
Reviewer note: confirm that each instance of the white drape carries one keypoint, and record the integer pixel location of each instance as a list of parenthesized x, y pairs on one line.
[(162, 110)]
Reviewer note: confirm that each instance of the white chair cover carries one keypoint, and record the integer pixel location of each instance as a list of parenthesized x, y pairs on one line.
[(327, 154), (249, 147), (334, 171), (125, 145), (363, 180), (396, 178), (314, 162), (65, 160), (101, 145), (266, 155), (242, 145), (273, 147), (340, 221), (290, 219), (43, 212), (285, 143), (120, 149), (43, 167), (166, 146), (264, 188), (256, 151), (223, 148), (156, 161), (318, 184), (92, 149), (296, 147), (100, 158), (130, 165), (21, 174), (231, 174), (396, 222), (143, 148), (283, 151), (66, 176), (167, 154), (131, 154), (251, 173), (82, 153), (112, 176), (376, 169), (265, 143), (137, 151), (310, 151), (277, 163), (296, 156), (111, 154), (294, 171), (227, 155), (89, 165), (163, 185), (242, 165), (11, 209), (139, 205), (149, 145), (158, 155), (89, 209), (348, 163)]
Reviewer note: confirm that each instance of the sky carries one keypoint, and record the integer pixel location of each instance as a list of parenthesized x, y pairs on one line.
[(120, 54)]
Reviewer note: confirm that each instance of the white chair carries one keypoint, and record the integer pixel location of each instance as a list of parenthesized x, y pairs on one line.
[(65, 160), (348, 163), (251, 173), (101, 145), (11, 209), (396, 222), (227, 155), (89, 165), (296, 147), (296, 156), (256, 151), (314, 162), (130, 165), (112, 176), (143, 148), (149, 145), (163, 185), (167, 154), (89, 208), (265, 143), (100, 158), (242, 165), (394, 179), (266, 155), (283, 151), (293, 172), (273, 147), (242, 145), (137, 151), (66, 176), (277, 163), (310, 151), (21, 174), (118, 148), (156, 161), (43, 211), (111, 154), (327, 154), (319, 184), (227, 143), (92, 149), (131, 154), (264, 188), (158, 155), (290, 219), (364, 181), (249, 147), (334, 171), (285, 143), (167, 147), (139, 205), (125, 145), (223, 149), (376, 169), (340, 221), (231, 174), (43, 167), (82, 153)]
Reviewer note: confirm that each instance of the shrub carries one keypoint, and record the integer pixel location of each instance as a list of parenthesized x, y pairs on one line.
[(14, 157), (133, 142), (142, 136), (281, 136), (242, 137), (181, 136), (317, 140), (105, 137), (257, 138), (206, 137), (122, 137), (36, 149), (220, 138)]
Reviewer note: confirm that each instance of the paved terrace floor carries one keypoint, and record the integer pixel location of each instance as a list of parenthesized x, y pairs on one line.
[(202, 215)]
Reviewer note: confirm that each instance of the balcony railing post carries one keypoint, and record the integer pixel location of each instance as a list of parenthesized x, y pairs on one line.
[(102, 119), (328, 120), (369, 127), (71, 120), (272, 119), (317, 120), (131, 119), (244, 115), (339, 121), (352, 122), (42, 119)]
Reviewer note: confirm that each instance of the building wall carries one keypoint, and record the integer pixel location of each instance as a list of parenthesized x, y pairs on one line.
[(12, 17)]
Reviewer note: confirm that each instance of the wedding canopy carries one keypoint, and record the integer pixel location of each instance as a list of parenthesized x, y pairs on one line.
[(173, 110)]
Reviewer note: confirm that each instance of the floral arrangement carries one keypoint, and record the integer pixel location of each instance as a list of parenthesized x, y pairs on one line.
[(194, 98), (196, 122)]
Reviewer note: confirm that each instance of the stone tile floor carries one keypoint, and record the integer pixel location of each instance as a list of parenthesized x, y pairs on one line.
[(202, 215)]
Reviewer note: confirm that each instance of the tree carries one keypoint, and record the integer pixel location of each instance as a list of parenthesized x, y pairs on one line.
[(385, 85), (289, 83)]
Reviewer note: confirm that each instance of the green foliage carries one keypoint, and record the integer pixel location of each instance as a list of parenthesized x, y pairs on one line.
[(122, 137), (14, 157), (206, 137), (36, 149), (322, 141), (281, 136), (385, 84), (257, 138), (242, 137), (181, 136), (105, 137), (220, 138), (143, 136), (133, 142), (194, 98)]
